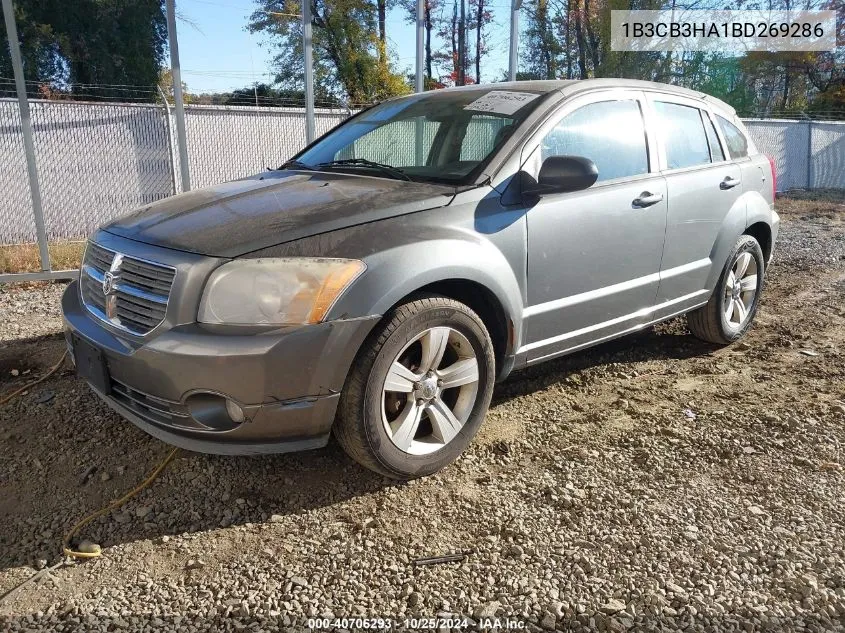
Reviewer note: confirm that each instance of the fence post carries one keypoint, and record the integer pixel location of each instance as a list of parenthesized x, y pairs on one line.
[(419, 84), (170, 156), (307, 45), (26, 128), (513, 58), (810, 154), (176, 75)]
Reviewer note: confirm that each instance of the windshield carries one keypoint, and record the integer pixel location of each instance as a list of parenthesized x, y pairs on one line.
[(440, 136)]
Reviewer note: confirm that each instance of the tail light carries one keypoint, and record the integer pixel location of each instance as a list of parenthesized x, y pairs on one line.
[(774, 176)]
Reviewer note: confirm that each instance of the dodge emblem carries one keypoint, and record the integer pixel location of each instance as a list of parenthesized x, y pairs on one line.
[(109, 282)]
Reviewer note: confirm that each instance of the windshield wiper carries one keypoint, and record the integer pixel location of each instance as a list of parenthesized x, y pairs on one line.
[(390, 170), (296, 164)]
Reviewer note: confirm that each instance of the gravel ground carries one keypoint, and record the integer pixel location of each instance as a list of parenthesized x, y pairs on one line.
[(651, 483)]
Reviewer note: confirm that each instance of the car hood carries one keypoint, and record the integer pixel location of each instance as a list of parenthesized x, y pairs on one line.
[(241, 216)]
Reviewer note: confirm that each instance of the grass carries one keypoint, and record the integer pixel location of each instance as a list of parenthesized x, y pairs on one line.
[(813, 202), (24, 258), (817, 195)]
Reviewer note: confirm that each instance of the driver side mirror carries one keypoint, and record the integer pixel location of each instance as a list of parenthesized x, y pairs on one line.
[(560, 174)]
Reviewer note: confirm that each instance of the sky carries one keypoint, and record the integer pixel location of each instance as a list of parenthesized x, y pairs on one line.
[(217, 53)]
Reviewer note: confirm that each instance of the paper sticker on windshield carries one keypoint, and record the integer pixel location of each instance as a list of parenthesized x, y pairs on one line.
[(501, 101)]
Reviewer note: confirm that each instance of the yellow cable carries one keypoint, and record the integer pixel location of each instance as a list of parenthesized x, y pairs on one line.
[(112, 506), (52, 371)]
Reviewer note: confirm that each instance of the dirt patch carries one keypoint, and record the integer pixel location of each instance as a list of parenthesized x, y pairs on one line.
[(655, 481)]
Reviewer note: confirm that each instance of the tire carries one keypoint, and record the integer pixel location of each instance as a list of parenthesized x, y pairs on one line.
[(711, 322), (374, 420)]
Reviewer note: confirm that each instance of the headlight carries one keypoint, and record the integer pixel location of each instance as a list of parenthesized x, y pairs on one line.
[(276, 291)]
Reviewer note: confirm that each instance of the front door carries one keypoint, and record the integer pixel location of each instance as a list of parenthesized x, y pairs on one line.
[(594, 255)]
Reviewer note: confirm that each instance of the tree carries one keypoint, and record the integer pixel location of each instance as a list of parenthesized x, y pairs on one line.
[(350, 58), (482, 16), (429, 7), (778, 80), (91, 48), (165, 83), (381, 8), (448, 56), (571, 39), (542, 49), (265, 95)]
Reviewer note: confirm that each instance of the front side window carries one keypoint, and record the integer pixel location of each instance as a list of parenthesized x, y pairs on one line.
[(610, 133), (683, 135), (439, 136), (737, 143)]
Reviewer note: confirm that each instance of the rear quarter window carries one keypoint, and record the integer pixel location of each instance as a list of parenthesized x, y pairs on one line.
[(737, 143)]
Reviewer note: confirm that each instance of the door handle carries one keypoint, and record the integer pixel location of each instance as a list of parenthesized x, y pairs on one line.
[(647, 199), (729, 183)]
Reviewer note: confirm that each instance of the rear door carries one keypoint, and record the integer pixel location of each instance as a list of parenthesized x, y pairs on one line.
[(594, 255), (755, 173), (703, 185)]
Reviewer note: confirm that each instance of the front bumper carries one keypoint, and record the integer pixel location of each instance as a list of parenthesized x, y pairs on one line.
[(287, 381)]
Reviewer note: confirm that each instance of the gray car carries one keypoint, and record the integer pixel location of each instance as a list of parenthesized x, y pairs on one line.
[(379, 283)]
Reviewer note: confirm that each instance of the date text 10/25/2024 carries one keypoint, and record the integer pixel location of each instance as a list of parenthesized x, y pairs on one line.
[(416, 624)]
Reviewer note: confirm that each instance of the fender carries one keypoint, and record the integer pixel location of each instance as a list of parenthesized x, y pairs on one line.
[(760, 211), (748, 209), (733, 225), (406, 253), (403, 256), (396, 272)]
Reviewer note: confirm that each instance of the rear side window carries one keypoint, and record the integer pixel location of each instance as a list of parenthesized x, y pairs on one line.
[(610, 133), (737, 143), (716, 153), (683, 135)]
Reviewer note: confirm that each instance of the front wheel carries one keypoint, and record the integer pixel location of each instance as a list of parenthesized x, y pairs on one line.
[(730, 311), (418, 390)]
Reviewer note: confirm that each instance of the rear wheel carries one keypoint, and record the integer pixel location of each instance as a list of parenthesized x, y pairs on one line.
[(418, 390), (733, 305)]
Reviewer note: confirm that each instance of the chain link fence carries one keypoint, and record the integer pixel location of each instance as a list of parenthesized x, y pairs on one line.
[(788, 142), (808, 154), (827, 147), (92, 159), (97, 161), (17, 223), (228, 142)]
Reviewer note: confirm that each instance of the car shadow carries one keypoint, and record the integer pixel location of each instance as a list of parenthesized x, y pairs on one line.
[(64, 454), (666, 341)]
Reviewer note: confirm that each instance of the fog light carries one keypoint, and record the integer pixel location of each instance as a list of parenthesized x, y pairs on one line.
[(234, 410)]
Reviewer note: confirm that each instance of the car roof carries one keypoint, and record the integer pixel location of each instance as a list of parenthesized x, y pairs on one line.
[(573, 87), (539, 85), (569, 87)]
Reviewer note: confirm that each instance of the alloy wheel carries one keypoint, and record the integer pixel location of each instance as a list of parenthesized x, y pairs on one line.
[(430, 391), (740, 290)]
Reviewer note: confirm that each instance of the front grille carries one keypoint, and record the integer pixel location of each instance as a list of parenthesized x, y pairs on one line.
[(149, 407), (136, 300)]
